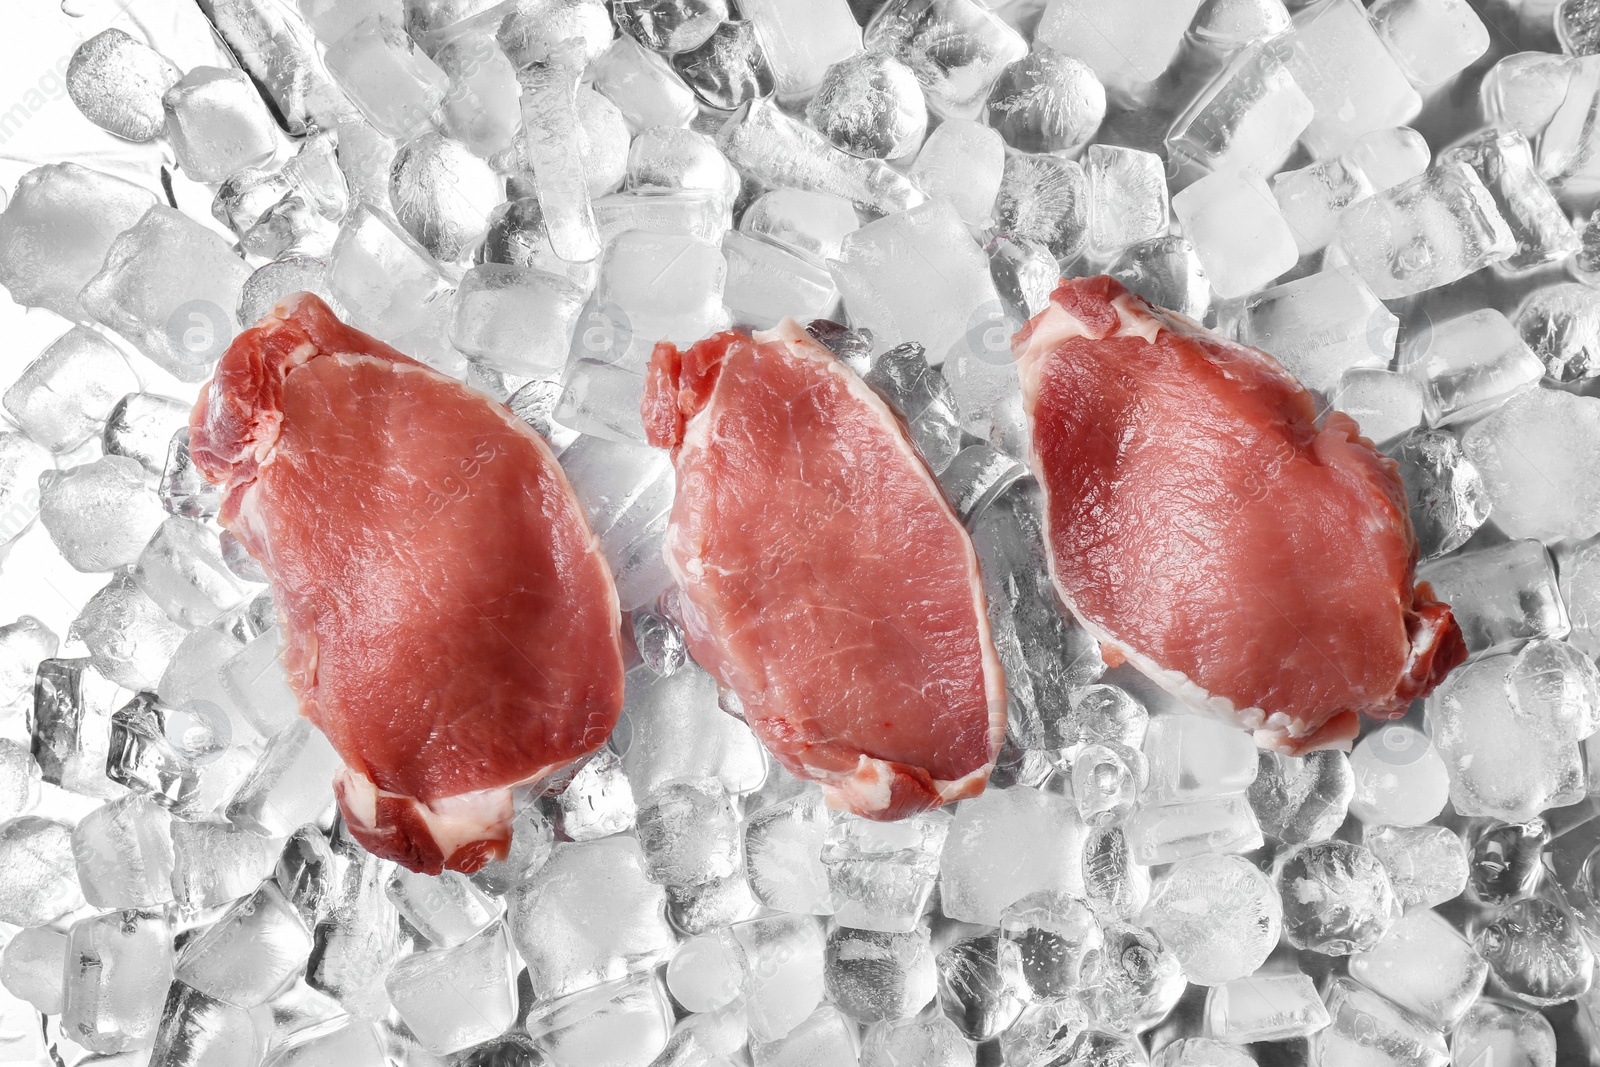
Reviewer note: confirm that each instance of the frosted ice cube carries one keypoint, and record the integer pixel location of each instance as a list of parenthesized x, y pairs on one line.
[(827, 1038), (705, 972), (644, 86), (881, 874), (1426, 232), (457, 997), (1569, 147), (1448, 499), (61, 398), (808, 223), (117, 82), (1499, 1031), (290, 784), (19, 779), (1230, 24), (347, 1041), (672, 728), (130, 639), (1384, 403), (774, 149), (1524, 90), (218, 123), (255, 681), (171, 287), (446, 909), (981, 985), (1432, 40), (1238, 232), (141, 427), (118, 967), (1390, 156), (625, 1023), (124, 856), (1362, 1020), (1312, 198), (873, 975), (57, 229), (1045, 198), (1302, 798), (956, 47), (1321, 326), (1218, 914), (728, 69), (1188, 1052), (1265, 1007), (671, 159), (1004, 845), (1166, 272), (1337, 898), (1058, 940), (598, 802), (182, 570), (1500, 596), (539, 31), (1247, 119), (1129, 45), (1112, 881), (516, 319), (588, 916), (1497, 766), (250, 952), (38, 874), (934, 1042), (783, 847), (870, 104), (1193, 757), (1504, 162), (1351, 79), (1047, 102), (767, 283), (1167, 833), (1424, 966), (802, 43), (1427, 865), (1561, 323), (689, 833), (1127, 198), (442, 194), (783, 964), (1537, 952), (1469, 365), (382, 277), (213, 863), (394, 83), (962, 162), (32, 965), (197, 1029), (1400, 777)]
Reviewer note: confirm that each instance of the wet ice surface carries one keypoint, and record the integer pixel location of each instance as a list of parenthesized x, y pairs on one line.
[(1398, 202)]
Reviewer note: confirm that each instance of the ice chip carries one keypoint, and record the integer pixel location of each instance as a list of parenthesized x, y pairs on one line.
[(1167, 272), (870, 105), (598, 801), (1138, 982), (1113, 883), (807, 223), (71, 725), (689, 833), (199, 1030), (141, 427), (1193, 757), (218, 123), (289, 785), (1470, 365), (214, 864), (957, 48), (99, 515), (516, 319), (1237, 230), (1362, 1020), (672, 728), (932, 1042), (1496, 1030), (1390, 156), (117, 82)]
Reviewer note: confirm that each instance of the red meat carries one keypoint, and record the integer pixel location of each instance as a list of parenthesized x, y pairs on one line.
[(825, 578), (1255, 561), (448, 619)]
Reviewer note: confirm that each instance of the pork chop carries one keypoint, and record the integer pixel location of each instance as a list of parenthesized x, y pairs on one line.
[(1254, 560), (448, 619), (825, 578)]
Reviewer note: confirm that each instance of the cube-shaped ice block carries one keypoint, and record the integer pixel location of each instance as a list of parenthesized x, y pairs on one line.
[(1237, 230), (1433, 40), (1320, 326), (1349, 76), (1248, 118), (1129, 44)]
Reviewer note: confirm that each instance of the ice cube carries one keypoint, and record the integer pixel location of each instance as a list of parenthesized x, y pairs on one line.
[(22, 464), (1497, 766), (1501, 596), (1561, 323), (1337, 898), (182, 570), (1302, 798), (552, 125), (1047, 102), (1238, 232), (1004, 845), (457, 997), (145, 757), (1432, 40), (394, 83), (1537, 952), (171, 287), (1506, 863), (976, 476), (1448, 499), (1427, 865), (1504, 162), (38, 875), (311, 178), (1569, 147), (1193, 757), (218, 123), (516, 319), (1524, 90), (1384, 403), (705, 972), (801, 46), (61, 398), (1361, 1020), (1321, 326), (1185, 1052), (774, 149), (670, 25), (1226, 25), (666, 159), (873, 975), (141, 427), (626, 489), (1112, 882), (250, 952), (200, 1030), (767, 283), (689, 833), (1555, 690), (1106, 782), (1265, 1007), (880, 875), (536, 31), (696, 909), (118, 967), (1534, 455), (981, 985), (644, 86), (290, 784), (32, 965), (931, 1042), (1127, 198), (1490, 1031), (782, 960), (1129, 46), (1218, 914), (56, 230), (962, 162), (598, 802), (446, 909), (277, 281), (827, 1038), (808, 223), (124, 856), (1469, 365), (213, 863), (442, 194), (19, 779), (783, 846), (870, 105), (71, 726), (672, 728), (728, 69), (1400, 777), (1138, 980), (1166, 272), (588, 916), (130, 639), (660, 641), (956, 47), (383, 278), (255, 682), (1247, 119), (1058, 940), (117, 82), (1312, 198), (1167, 833), (1426, 232), (1045, 198), (1351, 79), (1390, 156), (347, 1041), (531, 841)]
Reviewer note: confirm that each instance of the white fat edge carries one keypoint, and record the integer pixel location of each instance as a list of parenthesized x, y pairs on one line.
[(802, 343), (452, 821)]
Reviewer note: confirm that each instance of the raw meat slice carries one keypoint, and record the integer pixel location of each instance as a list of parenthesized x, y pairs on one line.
[(1201, 522), (826, 580), (449, 620)]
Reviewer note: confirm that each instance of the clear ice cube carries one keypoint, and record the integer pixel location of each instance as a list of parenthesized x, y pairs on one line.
[(1537, 952), (1047, 101), (250, 952), (1045, 198), (1524, 90), (1385, 404), (1362, 1020), (1504, 163), (871, 975), (783, 846), (123, 851), (1347, 73), (982, 988), (1561, 324), (457, 997), (1470, 365), (956, 47), (1129, 45), (141, 426), (1432, 40), (214, 864), (1312, 199), (1247, 119), (1265, 1007), (802, 43), (644, 86), (1448, 499), (1302, 798), (130, 639), (1427, 865), (1321, 326), (1500, 596), (290, 784), (516, 319), (1237, 230), (118, 968), (393, 82), (767, 283), (218, 124), (1004, 845), (728, 69), (880, 875), (1127, 198), (1337, 898), (61, 399), (1424, 965)]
